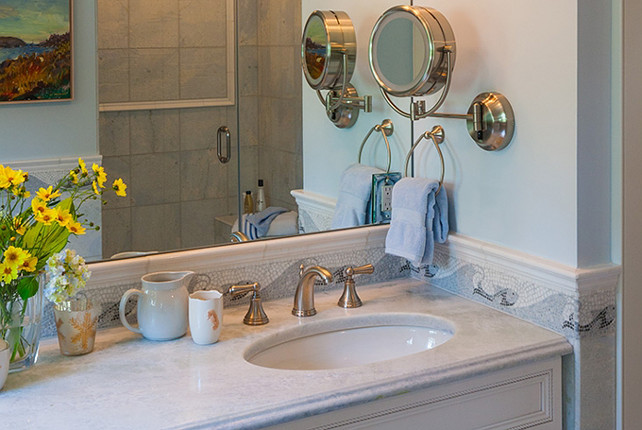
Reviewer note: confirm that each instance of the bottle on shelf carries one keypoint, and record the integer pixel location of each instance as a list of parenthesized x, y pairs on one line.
[(260, 197), (248, 203)]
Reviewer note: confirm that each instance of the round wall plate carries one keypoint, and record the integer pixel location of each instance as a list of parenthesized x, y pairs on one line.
[(345, 116), (497, 120)]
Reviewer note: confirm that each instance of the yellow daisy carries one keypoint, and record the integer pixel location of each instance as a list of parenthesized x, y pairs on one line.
[(14, 256), (19, 226), (101, 176), (29, 264), (46, 217), (46, 194), (119, 186), (74, 176), (76, 228), (4, 180), (63, 217), (8, 273), (14, 177), (83, 167), (38, 206)]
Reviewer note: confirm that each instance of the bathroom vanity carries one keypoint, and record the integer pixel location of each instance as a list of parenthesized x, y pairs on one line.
[(495, 371)]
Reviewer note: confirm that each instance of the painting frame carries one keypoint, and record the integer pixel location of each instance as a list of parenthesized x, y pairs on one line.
[(39, 66)]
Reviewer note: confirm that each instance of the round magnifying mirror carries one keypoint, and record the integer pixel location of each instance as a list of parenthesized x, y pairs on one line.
[(327, 37), (407, 55)]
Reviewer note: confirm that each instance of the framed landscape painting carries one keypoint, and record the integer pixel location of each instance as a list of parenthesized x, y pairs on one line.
[(36, 54)]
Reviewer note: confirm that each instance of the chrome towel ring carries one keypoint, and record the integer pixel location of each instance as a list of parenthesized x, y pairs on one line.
[(437, 135), (386, 128)]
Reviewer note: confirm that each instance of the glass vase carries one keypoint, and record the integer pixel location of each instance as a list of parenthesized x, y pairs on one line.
[(76, 321), (20, 326)]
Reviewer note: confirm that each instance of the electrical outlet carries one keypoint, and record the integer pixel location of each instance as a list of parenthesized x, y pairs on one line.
[(386, 198)]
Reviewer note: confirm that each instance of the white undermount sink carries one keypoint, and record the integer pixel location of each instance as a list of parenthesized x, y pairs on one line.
[(352, 341)]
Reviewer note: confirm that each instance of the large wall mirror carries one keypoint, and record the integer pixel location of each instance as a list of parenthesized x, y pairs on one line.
[(164, 91), (172, 73)]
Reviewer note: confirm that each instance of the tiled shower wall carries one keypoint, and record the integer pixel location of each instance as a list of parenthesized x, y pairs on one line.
[(168, 156), (280, 102)]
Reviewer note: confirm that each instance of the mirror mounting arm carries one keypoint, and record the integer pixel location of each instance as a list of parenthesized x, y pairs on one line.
[(490, 119), (342, 105)]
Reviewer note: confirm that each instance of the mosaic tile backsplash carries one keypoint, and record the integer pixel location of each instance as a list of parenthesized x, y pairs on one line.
[(572, 315), (278, 279)]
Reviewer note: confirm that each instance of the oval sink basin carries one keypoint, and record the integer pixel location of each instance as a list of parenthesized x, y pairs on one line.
[(347, 342)]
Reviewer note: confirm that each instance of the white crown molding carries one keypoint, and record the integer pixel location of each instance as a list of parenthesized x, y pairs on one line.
[(550, 274), (52, 164), (242, 254), (554, 275)]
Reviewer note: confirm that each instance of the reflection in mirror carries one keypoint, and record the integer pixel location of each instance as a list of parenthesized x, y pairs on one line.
[(316, 49), (401, 52), (174, 55), (407, 50)]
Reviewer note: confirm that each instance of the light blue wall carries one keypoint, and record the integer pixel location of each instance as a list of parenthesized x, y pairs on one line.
[(548, 194), (58, 129)]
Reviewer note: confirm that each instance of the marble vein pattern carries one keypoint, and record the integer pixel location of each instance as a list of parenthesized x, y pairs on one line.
[(177, 384)]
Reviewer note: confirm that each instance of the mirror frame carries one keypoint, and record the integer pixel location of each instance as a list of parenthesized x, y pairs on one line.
[(437, 34)]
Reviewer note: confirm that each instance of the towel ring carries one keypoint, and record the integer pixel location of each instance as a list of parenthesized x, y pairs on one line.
[(386, 128), (437, 136)]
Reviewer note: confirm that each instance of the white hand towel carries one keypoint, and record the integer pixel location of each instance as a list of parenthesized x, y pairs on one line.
[(418, 219), (354, 196)]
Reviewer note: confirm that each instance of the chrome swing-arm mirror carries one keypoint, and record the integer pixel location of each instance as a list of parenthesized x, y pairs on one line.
[(328, 57), (412, 53)]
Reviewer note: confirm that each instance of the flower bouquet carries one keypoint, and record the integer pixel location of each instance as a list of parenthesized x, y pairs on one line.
[(76, 318), (32, 229)]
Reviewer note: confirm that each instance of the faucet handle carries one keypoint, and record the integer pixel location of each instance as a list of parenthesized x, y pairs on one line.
[(255, 314), (366, 269), (350, 298)]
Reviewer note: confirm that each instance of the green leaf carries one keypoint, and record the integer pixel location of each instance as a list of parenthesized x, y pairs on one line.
[(43, 241), (28, 287)]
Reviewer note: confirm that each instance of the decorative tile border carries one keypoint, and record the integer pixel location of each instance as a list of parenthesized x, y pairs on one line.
[(273, 263), (572, 302)]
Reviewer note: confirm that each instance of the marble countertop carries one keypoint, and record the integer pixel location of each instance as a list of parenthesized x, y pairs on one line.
[(130, 382)]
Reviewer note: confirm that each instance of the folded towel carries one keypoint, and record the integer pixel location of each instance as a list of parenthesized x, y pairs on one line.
[(418, 220), (353, 202), (285, 224), (256, 225)]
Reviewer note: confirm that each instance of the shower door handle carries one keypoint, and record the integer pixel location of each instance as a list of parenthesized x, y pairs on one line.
[(223, 131)]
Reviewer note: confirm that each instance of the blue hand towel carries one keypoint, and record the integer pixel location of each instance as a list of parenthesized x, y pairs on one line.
[(355, 189), (256, 225), (418, 220)]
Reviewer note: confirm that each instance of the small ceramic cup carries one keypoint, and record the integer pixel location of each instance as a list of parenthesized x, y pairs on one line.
[(4, 362), (205, 316)]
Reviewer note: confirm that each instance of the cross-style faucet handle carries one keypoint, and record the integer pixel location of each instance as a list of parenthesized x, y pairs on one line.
[(350, 298)]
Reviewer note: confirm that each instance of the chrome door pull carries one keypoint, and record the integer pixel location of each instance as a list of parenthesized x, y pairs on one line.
[(223, 131)]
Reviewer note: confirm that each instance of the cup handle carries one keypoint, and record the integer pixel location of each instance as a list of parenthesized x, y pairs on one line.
[(121, 308)]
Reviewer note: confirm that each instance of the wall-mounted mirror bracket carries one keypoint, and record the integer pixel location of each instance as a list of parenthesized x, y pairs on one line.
[(342, 104), (422, 38), (490, 119)]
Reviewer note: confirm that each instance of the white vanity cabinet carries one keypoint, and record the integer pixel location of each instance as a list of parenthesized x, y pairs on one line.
[(526, 396)]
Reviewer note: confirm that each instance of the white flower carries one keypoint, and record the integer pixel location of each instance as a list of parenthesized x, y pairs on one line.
[(67, 274)]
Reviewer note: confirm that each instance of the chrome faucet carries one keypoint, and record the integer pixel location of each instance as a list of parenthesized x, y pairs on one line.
[(304, 295)]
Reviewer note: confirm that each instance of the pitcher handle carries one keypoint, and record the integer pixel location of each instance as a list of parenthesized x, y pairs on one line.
[(121, 309)]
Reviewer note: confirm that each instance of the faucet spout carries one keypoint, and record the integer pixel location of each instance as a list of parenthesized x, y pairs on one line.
[(304, 295)]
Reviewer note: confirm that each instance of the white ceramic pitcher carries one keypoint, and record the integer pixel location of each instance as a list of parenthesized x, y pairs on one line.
[(162, 305)]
